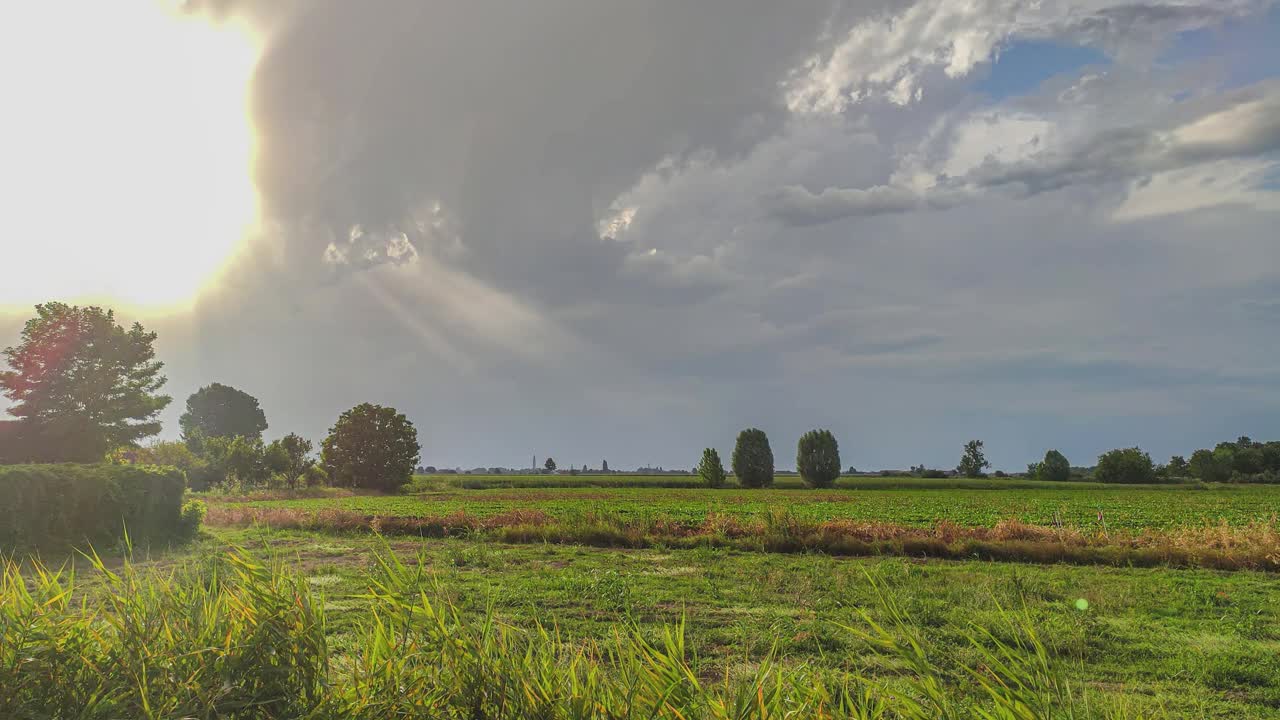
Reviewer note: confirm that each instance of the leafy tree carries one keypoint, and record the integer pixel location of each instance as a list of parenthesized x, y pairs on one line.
[(82, 385), (710, 469), (1126, 465), (974, 461), (219, 410), (275, 459), (1054, 467), (818, 458), (604, 466), (239, 459), (295, 453), (1247, 457), (173, 453), (753, 459), (1177, 467), (549, 465), (1210, 465), (370, 446), (315, 475), (1271, 456), (246, 460)]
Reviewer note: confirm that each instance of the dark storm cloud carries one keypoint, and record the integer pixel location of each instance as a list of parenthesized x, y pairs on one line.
[(524, 120)]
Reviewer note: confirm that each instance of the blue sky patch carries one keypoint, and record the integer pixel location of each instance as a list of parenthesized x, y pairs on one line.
[(1023, 65), (1271, 181), (1245, 47)]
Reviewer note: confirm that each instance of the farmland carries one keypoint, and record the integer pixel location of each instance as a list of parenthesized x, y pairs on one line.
[(912, 502), (605, 595)]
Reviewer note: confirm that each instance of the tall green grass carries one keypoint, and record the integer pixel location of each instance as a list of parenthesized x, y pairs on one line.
[(233, 637)]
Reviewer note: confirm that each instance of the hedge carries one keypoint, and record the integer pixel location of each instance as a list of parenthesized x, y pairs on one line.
[(73, 505)]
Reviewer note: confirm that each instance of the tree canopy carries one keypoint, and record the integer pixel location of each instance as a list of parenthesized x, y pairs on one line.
[(82, 385), (219, 410), (1126, 465), (370, 446), (1055, 467), (818, 458), (294, 457), (753, 459)]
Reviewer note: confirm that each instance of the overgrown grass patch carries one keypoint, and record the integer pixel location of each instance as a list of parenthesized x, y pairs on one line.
[(594, 623)]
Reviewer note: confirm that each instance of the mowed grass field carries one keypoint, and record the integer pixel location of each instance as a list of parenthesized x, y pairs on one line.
[(1145, 643), (908, 501)]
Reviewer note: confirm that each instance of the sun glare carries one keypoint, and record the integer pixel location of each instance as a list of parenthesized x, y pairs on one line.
[(125, 152)]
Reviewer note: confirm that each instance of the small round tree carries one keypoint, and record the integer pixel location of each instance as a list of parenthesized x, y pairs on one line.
[(219, 410), (1054, 467), (818, 458), (753, 459), (710, 469), (371, 447), (1127, 465)]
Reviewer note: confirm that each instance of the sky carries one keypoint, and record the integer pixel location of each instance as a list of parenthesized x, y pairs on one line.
[(626, 230)]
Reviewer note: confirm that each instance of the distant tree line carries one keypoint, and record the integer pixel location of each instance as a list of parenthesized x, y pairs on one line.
[(85, 389)]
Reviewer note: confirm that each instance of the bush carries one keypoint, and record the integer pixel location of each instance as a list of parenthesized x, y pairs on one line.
[(818, 458), (190, 518), (753, 459), (1128, 465), (67, 504)]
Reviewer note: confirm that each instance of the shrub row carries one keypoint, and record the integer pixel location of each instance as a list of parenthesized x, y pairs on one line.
[(46, 506)]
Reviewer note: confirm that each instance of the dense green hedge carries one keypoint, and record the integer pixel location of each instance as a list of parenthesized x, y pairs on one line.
[(65, 504)]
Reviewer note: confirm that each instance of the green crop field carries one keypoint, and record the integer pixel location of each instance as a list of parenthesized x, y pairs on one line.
[(1086, 506)]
